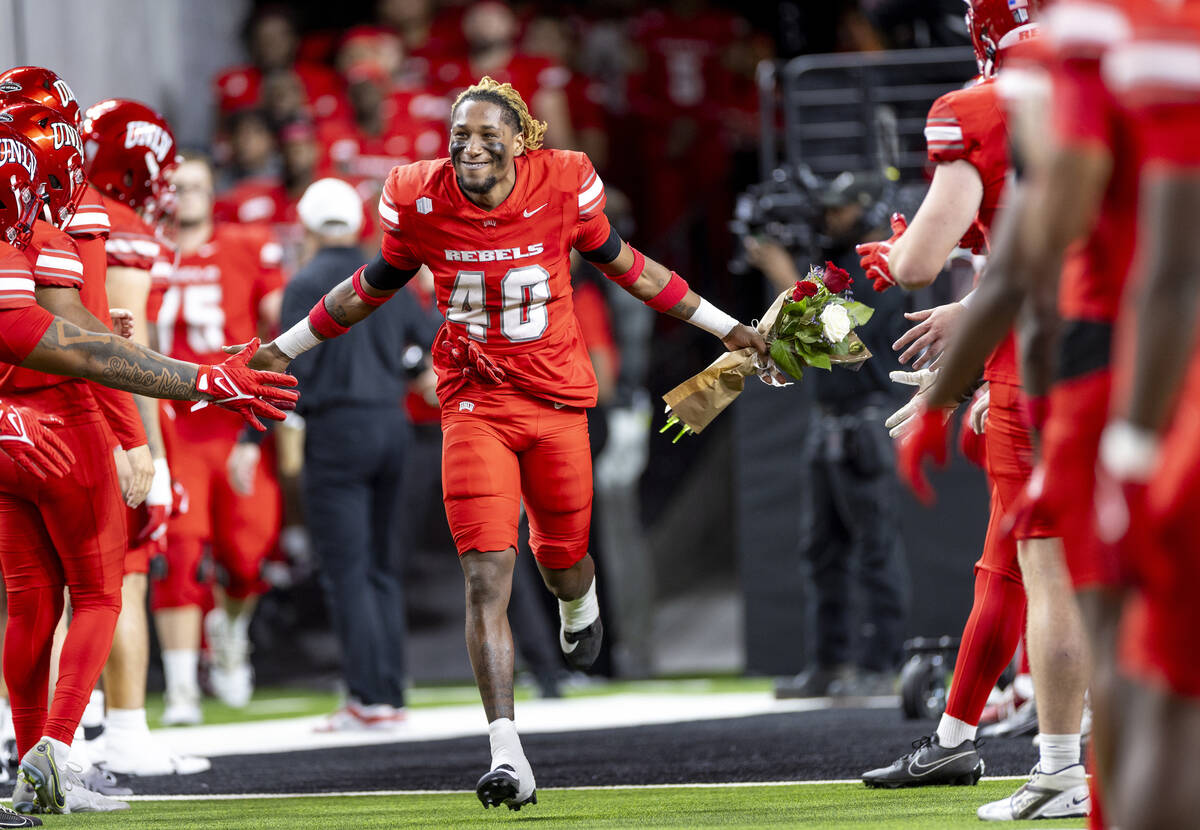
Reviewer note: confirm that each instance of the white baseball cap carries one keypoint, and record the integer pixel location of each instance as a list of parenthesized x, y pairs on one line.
[(331, 206)]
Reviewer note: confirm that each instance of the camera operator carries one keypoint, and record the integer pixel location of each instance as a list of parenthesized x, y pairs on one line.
[(848, 515)]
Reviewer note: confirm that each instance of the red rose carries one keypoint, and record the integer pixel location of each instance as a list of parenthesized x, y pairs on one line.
[(804, 288), (836, 279)]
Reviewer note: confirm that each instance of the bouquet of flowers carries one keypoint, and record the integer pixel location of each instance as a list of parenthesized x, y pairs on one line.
[(810, 324)]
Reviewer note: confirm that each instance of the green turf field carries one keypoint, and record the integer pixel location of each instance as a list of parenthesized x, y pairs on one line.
[(830, 806)]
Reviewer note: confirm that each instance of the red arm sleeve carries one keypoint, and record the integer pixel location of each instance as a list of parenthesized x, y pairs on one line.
[(122, 415)]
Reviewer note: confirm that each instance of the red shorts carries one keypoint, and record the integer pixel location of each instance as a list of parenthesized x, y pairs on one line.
[(1010, 455), (68, 530), (507, 448), (1070, 442), (242, 530)]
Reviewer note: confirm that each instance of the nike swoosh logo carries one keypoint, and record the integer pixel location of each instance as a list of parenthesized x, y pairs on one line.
[(562, 637), (529, 213), (916, 768)]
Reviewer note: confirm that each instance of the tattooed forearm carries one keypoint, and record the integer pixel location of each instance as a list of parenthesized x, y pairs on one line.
[(344, 305), (146, 378), (66, 349), (685, 308)]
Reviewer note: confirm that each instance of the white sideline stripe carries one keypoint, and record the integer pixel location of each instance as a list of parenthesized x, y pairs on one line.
[(396, 793), (466, 720)]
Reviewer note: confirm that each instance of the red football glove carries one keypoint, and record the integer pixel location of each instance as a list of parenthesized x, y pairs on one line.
[(926, 436), (873, 256), (248, 392), (465, 355), (26, 438), (157, 508)]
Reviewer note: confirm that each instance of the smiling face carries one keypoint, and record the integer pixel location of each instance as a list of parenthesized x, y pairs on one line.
[(483, 144)]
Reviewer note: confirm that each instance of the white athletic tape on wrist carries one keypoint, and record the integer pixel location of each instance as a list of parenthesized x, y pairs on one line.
[(1130, 453), (297, 340), (160, 486), (710, 318)]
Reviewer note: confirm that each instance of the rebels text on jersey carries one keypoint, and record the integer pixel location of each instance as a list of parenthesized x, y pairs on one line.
[(502, 276)]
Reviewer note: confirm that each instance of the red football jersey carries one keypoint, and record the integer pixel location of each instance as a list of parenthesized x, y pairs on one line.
[(212, 298), (969, 124), (502, 276), (22, 320), (1085, 113)]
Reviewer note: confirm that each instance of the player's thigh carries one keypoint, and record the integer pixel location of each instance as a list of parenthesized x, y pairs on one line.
[(84, 513), (481, 486), (27, 553), (556, 483)]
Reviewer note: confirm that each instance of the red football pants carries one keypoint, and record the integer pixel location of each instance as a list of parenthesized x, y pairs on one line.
[(68, 531), (241, 530), (997, 618), (507, 448)]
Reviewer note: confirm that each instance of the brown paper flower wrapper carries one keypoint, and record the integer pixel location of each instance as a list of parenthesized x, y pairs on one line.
[(702, 397)]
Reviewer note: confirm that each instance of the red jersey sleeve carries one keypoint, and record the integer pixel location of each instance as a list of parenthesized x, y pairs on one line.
[(56, 262), (592, 228), (20, 331), (131, 242), (944, 137), (398, 195), (16, 279), (270, 269), (1077, 117)]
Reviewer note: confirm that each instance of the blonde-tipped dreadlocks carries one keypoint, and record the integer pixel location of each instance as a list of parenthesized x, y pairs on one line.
[(515, 110)]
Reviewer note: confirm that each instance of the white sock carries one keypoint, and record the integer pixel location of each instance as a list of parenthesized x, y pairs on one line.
[(951, 731), (506, 743), (62, 752), (238, 625), (93, 714), (127, 720), (180, 666), (1057, 752), (578, 614)]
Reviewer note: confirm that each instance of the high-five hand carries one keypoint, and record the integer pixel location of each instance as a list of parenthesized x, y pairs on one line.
[(248, 392)]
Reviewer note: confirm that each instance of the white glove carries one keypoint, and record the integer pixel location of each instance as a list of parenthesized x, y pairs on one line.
[(979, 409), (897, 423)]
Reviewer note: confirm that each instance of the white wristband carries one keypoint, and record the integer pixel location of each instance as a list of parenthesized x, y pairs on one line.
[(297, 340), (1129, 453), (967, 299), (710, 318), (160, 486)]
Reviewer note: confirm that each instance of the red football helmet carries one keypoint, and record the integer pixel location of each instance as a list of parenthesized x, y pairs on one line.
[(19, 186), (42, 87), (130, 152), (59, 153), (996, 25)]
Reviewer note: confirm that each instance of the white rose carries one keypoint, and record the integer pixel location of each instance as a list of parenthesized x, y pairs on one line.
[(835, 322)]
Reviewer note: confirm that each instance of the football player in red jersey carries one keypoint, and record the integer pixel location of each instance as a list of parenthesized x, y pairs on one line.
[(1082, 186), (968, 140), (496, 222), (131, 152), (60, 532), (225, 289)]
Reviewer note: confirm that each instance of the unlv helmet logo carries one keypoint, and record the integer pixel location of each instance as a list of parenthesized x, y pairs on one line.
[(5, 118), (151, 136), (10, 86), (12, 150), (64, 92), (64, 135)]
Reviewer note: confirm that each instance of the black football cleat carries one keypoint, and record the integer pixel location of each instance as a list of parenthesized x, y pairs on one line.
[(930, 764), (501, 786), (581, 648)]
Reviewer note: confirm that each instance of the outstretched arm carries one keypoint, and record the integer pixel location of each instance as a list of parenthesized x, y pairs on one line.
[(350, 301), (667, 292)]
